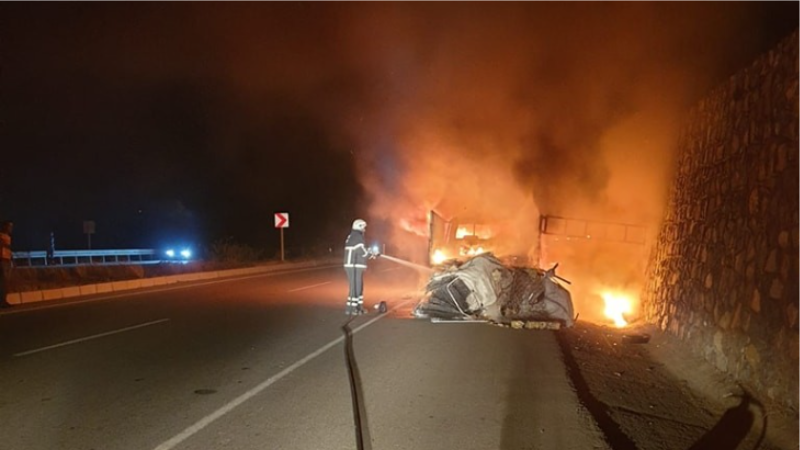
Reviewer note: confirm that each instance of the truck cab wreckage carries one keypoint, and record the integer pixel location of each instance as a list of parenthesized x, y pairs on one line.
[(483, 288)]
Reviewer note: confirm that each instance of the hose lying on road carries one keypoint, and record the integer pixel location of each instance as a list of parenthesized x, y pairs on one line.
[(355, 388)]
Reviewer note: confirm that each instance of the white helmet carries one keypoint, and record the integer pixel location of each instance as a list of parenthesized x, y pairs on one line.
[(359, 225)]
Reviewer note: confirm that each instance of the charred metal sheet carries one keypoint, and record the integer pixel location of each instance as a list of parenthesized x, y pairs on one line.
[(483, 288)]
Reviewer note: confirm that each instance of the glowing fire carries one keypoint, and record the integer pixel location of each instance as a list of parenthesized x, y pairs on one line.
[(617, 305), (477, 230), (438, 257), (471, 251)]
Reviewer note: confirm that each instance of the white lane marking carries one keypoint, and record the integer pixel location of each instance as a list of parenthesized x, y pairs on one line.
[(233, 404), (310, 287), (144, 291), (87, 338)]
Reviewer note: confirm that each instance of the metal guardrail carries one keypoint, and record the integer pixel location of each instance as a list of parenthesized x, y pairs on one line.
[(81, 257)]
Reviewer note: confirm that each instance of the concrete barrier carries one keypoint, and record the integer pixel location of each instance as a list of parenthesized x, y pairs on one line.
[(23, 298), (52, 294), (28, 297), (104, 288), (70, 292)]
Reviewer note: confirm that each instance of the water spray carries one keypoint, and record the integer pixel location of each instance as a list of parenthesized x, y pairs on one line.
[(408, 263)]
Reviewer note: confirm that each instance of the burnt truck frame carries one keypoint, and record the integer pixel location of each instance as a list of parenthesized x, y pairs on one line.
[(458, 237)]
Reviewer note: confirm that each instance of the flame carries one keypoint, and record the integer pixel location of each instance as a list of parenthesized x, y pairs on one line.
[(439, 257), (463, 231), (471, 251), (478, 230), (617, 305)]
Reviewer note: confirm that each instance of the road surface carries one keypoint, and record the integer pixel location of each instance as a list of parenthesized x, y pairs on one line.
[(259, 363)]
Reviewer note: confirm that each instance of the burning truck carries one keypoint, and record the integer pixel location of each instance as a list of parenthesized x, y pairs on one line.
[(477, 275)]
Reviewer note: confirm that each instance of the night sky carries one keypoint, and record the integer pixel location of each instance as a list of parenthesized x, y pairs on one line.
[(197, 121)]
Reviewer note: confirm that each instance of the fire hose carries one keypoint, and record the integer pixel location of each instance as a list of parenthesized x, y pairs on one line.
[(403, 262)]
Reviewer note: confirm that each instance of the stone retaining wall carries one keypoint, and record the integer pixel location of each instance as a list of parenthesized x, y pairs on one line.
[(724, 273)]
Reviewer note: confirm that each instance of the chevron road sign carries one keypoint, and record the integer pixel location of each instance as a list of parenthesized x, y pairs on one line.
[(281, 220)]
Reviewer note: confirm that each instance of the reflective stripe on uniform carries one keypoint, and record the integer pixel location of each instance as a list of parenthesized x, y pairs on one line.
[(349, 260)]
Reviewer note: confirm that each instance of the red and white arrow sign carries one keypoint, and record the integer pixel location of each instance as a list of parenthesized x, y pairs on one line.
[(281, 220)]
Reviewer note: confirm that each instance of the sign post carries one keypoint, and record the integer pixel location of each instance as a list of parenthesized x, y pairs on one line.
[(88, 229), (281, 222)]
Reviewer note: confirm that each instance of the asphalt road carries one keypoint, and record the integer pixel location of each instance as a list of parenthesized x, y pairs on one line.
[(259, 363)]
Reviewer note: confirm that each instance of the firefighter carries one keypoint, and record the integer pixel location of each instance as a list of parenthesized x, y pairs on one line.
[(355, 263)]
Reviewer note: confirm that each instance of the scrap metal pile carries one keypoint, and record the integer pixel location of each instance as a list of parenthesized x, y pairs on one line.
[(484, 288)]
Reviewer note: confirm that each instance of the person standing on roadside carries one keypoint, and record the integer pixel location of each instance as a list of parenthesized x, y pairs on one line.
[(6, 228)]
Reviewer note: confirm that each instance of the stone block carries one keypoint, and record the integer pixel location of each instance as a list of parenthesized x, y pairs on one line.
[(719, 338), (794, 347), (781, 165), (791, 315), (772, 262), (778, 342), (755, 302), (725, 320), (786, 267), (776, 290), (721, 362), (674, 326), (737, 317), (750, 272), (752, 356), (783, 239), (738, 264)]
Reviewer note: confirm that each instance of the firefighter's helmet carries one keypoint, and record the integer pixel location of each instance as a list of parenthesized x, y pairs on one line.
[(359, 225)]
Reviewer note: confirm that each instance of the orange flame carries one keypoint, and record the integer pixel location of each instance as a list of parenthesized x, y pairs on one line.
[(439, 257), (617, 305), (478, 230)]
